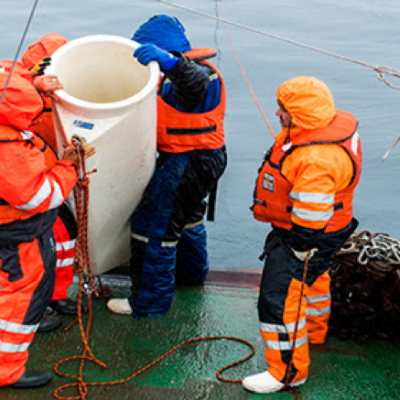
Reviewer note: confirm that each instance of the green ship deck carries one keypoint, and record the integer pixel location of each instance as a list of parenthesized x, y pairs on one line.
[(225, 306)]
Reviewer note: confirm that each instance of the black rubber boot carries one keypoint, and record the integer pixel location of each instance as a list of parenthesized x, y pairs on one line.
[(66, 307), (49, 323), (31, 379)]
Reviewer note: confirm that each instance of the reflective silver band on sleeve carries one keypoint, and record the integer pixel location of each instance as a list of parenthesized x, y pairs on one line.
[(41, 195), (312, 215), (321, 198), (57, 198)]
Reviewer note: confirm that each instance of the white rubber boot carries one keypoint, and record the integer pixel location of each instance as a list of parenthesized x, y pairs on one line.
[(266, 383), (119, 306), (262, 383)]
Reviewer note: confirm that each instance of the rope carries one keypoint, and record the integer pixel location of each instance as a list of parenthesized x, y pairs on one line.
[(289, 368), (19, 49), (380, 70), (82, 261), (83, 385), (244, 74)]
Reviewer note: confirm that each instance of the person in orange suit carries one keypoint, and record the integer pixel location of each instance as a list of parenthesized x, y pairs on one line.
[(65, 230), (33, 185), (305, 190)]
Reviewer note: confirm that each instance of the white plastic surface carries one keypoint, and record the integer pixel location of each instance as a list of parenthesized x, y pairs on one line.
[(109, 99)]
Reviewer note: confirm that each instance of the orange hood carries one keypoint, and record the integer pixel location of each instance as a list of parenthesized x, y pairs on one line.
[(21, 103), (44, 47), (309, 102)]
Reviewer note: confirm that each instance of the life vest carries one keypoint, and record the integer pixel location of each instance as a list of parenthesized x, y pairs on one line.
[(272, 201), (9, 213), (179, 131)]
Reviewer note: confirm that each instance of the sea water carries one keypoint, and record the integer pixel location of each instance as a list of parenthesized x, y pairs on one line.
[(361, 30)]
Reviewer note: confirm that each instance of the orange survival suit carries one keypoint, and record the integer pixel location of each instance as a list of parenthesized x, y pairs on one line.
[(305, 189), (65, 230), (33, 185)]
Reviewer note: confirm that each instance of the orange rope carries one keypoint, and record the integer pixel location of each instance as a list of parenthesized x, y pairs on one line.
[(82, 260), (289, 369), (244, 74), (83, 385)]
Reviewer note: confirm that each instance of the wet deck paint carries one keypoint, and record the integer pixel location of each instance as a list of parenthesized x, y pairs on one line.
[(340, 370)]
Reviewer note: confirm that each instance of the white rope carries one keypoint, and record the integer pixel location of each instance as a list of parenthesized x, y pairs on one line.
[(380, 70)]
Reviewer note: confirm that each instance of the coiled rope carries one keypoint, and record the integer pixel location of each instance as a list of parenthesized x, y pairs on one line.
[(82, 261), (83, 386), (380, 70)]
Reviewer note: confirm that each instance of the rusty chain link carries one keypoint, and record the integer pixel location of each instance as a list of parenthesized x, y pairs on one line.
[(378, 251), (365, 287)]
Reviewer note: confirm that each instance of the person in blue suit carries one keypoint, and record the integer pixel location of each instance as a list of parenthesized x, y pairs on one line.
[(168, 234)]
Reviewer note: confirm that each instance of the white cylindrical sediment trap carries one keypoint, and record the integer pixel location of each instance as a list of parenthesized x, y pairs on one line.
[(109, 99)]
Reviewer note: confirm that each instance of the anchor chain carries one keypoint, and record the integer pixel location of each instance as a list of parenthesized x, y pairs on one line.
[(365, 288)]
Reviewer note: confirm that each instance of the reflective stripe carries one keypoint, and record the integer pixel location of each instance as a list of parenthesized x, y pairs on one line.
[(169, 244), (68, 245), (354, 143), (66, 262), (286, 345), (17, 328), (321, 198), (316, 312), (39, 197), (13, 348), (312, 215), (139, 237), (194, 224), (317, 299), (274, 328), (57, 199), (26, 135)]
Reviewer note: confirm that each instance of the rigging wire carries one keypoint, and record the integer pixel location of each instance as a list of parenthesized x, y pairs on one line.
[(19, 49), (380, 70), (244, 74)]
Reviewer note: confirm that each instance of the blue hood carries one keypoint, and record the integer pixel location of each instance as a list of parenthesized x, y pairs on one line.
[(165, 32)]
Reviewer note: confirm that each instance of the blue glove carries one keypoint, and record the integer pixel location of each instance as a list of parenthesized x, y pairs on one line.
[(150, 52)]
